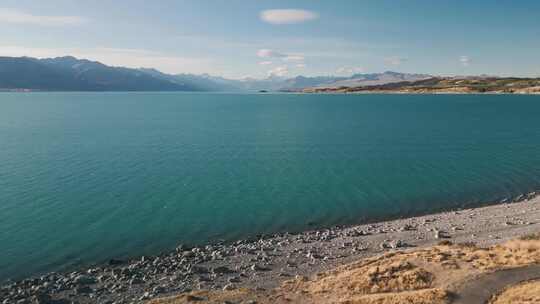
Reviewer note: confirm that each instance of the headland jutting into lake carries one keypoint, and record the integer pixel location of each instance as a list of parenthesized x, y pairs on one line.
[(266, 262), (442, 85)]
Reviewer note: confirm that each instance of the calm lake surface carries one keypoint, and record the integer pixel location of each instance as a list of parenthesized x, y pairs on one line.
[(85, 177)]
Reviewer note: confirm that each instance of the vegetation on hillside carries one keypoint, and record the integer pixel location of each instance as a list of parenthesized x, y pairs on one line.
[(448, 85)]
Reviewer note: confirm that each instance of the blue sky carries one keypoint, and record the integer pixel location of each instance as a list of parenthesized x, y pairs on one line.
[(242, 38)]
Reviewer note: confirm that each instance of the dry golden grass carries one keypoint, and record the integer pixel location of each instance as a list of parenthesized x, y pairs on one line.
[(425, 296), (419, 276), (206, 296), (526, 293)]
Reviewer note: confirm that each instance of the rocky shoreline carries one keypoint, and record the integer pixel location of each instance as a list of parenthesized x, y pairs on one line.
[(266, 262)]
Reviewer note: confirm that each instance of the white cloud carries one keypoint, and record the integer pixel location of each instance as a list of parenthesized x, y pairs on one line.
[(279, 71), (19, 17), (133, 58), (294, 58), (394, 60), (266, 53), (265, 62), (301, 65), (349, 70), (465, 61), (287, 16)]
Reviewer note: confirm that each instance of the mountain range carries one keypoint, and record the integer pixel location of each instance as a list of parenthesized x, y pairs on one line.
[(72, 74)]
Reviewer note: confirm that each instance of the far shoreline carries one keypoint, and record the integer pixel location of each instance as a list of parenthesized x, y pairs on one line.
[(330, 92)]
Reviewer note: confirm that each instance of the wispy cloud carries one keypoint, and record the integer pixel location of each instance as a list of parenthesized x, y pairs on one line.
[(465, 61), (266, 53), (265, 62), (301, 65), (395, 60), (294, 58), (287, 16), (349, 70), (279, 71), (133, 58), (19, 17)]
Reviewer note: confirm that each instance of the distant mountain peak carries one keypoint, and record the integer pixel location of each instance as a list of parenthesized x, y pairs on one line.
[(71, 73), (68, 73), (72, 58)]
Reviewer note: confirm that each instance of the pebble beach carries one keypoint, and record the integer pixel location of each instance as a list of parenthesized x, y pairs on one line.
[(265, 262)]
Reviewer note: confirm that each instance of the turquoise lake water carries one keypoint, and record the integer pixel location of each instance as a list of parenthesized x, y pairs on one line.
[(85, 177)]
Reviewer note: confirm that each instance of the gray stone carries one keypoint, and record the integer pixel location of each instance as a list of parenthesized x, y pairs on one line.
[(385, 245), (84, 280), (41, 299), (188, 254), (135, 281), (397, 244), (439, 234), (158, 289), (256, 267), (407, 227), (145, 296), (222, 269), (83, 290), (234, 280)]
